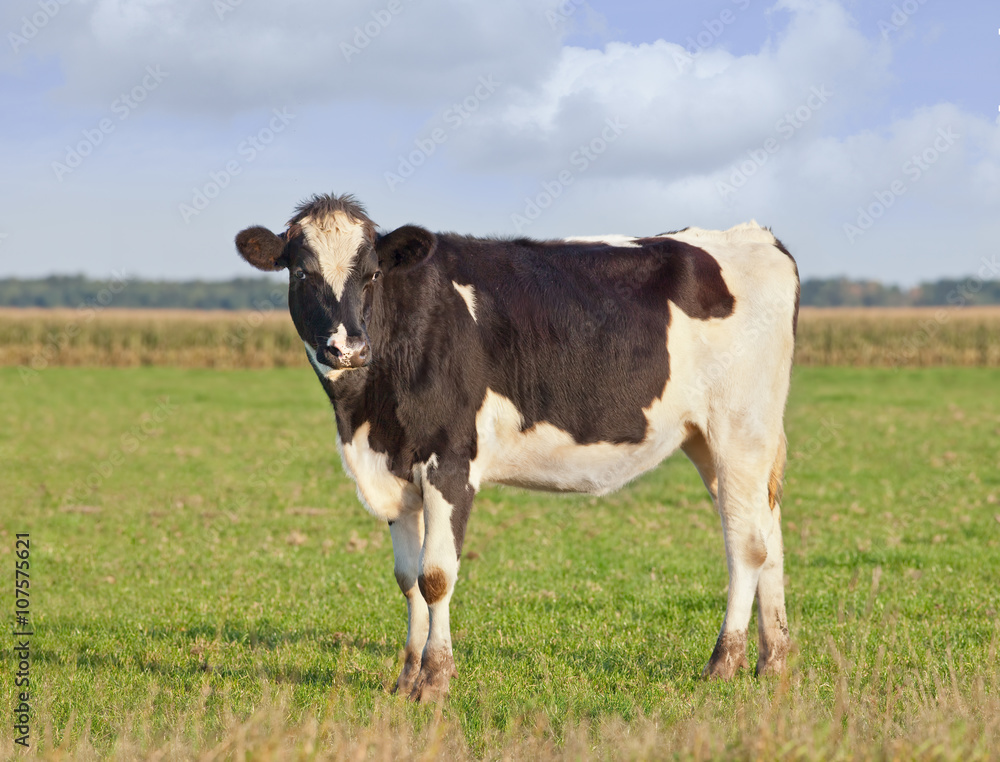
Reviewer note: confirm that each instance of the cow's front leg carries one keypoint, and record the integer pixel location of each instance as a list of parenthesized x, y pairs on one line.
[(447, 503), (407, 538)]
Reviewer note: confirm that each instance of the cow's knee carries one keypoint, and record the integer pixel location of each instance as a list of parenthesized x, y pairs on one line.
[(434, 584)]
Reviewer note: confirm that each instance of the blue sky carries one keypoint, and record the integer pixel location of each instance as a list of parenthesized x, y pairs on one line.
[(141, 135)]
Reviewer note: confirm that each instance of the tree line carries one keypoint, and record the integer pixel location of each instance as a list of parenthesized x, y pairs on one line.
[(267, 293)]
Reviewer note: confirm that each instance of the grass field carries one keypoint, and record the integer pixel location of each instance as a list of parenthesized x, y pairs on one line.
[(205, 583), (36, 339)]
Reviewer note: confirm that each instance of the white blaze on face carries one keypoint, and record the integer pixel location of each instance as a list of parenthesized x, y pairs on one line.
[(335, 240), (625, 241), (468, 294)]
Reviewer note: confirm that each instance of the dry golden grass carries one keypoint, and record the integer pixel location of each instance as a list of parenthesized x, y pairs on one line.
[(899, 337), (36, 338), (869, 716)]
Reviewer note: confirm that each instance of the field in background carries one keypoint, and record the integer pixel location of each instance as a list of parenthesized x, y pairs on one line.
[(206, 584), (37, 339)]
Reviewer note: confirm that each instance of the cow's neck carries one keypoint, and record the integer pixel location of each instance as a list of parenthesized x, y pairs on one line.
[(398, 339), (348, 396)]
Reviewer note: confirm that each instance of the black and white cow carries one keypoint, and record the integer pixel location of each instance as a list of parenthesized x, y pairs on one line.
[(572, 365)]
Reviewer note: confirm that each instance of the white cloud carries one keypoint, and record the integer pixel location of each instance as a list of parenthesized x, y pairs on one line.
[(230, 55), (684, 113)]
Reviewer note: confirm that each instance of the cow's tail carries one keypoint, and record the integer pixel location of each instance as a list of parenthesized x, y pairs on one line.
[(774, 483)]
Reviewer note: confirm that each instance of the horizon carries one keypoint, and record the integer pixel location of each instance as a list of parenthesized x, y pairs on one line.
[(281, 278)]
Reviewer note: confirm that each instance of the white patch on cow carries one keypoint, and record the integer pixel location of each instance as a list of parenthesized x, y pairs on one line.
[(439, 540), (330, 374), (384, 494), (621, 241), (548, 458), (338, 341), (335, 240), (468, 294), (746, 232), (438, 554), (407, 539)]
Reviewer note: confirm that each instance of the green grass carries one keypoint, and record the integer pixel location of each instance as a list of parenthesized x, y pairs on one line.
[(218, 562)]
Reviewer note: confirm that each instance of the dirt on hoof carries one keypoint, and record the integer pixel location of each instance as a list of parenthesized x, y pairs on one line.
[(408, 676), (729, 656), (434, 680)]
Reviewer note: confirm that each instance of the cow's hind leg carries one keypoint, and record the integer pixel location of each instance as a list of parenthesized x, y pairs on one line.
[(407, 538), (772, 623), (447, 503), (753, 538)]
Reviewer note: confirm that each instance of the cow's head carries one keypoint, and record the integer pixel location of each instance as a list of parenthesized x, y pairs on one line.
[(329, 252), (335, 261)]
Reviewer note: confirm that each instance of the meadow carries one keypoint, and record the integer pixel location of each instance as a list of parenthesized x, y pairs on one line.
[(206, 584)]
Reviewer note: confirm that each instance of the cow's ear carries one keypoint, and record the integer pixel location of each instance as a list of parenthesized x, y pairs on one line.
[(262, 248), (405, 247)]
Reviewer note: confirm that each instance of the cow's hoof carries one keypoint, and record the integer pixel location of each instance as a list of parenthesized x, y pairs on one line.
[(729, 656), (767, 667), (434, 680), (772, 660), (408, 677)]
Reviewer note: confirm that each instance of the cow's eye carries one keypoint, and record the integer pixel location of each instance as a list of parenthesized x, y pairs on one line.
[(299, 274), (376, 275)]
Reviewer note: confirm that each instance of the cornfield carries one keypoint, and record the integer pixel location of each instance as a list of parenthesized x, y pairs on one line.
[(36, 338)]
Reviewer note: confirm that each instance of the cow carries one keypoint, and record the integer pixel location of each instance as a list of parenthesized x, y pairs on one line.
[(569, 365)]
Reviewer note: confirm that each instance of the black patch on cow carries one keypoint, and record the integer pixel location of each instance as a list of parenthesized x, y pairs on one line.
[(693, 278), (405, 247), (575, 333)]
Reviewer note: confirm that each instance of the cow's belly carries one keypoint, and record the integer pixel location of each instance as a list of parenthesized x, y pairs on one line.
[(547, 458)]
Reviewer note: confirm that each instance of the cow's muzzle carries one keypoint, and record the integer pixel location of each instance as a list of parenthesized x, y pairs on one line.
[(352, 352)]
